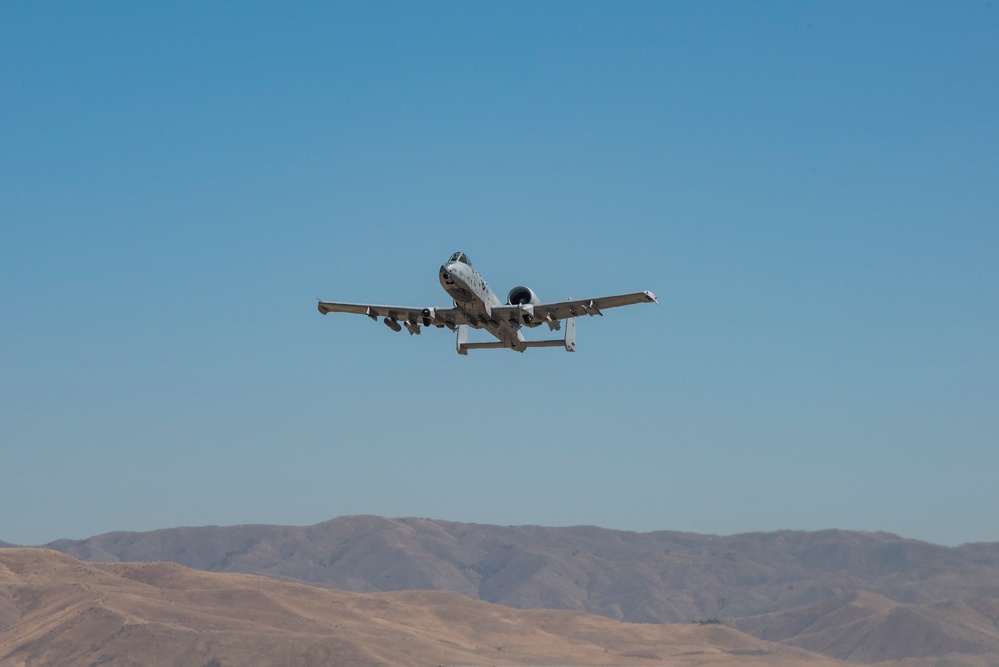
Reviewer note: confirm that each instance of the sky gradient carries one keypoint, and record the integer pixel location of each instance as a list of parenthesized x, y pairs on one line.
[(811, 189)]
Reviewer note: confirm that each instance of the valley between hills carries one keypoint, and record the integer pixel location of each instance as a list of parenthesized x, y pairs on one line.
[(368, 590)]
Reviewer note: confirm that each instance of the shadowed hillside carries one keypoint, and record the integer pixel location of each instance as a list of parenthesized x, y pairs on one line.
[(866, 627), (763, 582), (644, 577), (55, 610)]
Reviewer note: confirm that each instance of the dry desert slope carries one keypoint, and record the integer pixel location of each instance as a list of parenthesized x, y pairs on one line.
[(863, 597), (55, 610)]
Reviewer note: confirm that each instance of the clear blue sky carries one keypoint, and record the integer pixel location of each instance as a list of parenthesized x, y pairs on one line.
[(812, 189)]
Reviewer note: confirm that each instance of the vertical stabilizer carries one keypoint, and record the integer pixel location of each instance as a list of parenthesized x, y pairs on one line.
[(570, 334)]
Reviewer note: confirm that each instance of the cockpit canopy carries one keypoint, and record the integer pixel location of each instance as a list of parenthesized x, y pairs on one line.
[(459, 257)]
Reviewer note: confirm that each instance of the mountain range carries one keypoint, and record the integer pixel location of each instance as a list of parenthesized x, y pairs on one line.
[(864, 597), (55, 610)]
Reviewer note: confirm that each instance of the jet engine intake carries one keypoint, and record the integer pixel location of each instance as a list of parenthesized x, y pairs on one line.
[(522, 296)]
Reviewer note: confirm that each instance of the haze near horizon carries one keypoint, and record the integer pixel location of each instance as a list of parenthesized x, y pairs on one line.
[(809, 189)]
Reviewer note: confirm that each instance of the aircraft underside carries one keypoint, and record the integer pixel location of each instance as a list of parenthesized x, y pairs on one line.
[(478, 307)]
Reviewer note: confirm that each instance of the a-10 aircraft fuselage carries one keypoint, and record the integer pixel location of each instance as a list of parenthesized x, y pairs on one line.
[(478, 307)]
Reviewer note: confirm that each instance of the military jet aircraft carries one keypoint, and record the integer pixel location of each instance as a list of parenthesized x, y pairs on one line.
[(478, 307)]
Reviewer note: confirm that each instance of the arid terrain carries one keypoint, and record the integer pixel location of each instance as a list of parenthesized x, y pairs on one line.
[(56, 610), (862, 597)]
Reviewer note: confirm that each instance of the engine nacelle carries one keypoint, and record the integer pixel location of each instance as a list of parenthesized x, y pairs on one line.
[(522, 296)]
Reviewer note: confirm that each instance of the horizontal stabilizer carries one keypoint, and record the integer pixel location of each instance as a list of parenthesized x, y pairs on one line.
[(495, 345), (569, 342), (558, 342)]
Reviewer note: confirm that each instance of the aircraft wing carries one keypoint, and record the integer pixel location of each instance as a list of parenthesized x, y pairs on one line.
[(560, 310), (449, 317)]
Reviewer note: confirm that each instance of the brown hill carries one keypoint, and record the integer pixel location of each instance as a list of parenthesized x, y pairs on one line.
[(644, 577), (55, 610), (866, 627), (764, 583)]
